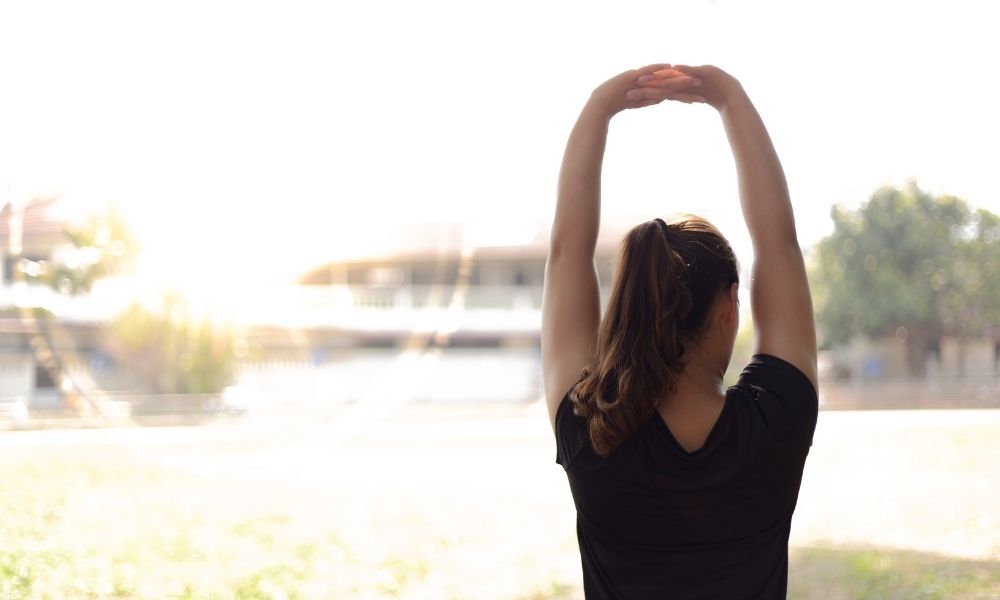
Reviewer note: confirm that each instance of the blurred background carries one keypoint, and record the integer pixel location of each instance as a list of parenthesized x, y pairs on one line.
[(271, 282)]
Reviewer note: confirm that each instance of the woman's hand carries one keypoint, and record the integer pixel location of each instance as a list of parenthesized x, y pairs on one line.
[(625, 90), (716, 87)]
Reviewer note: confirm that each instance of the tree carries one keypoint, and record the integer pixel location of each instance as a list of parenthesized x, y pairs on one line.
[(171, 352), (102, 245), (910, 264), (971, 300)]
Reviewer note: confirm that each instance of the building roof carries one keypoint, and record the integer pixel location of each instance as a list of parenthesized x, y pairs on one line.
[(39, 218)]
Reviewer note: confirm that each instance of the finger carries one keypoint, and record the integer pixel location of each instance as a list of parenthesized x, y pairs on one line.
[(648, 69), (650, 102), (688, 98), (646, 93), (671, 72), (670, 83), (688, 70), (661, 75)]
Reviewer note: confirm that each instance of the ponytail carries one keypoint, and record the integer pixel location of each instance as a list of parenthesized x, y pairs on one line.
[(665, 282)]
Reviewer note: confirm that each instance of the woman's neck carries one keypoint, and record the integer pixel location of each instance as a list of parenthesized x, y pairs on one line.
[(701, 378)]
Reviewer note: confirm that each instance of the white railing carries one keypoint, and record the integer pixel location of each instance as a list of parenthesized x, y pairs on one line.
[(417, 308)]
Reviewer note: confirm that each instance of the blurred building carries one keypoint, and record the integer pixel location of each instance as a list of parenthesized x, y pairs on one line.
[(435, 280), (447, 312), (434, 311), (42, 356), (877, 373)]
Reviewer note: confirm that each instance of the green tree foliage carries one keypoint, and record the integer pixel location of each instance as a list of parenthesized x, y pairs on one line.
[(164, 349), (103, 245), (911, 264), (171, 352)]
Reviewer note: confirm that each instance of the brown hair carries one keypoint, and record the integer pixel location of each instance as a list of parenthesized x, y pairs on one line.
[(665, 284)]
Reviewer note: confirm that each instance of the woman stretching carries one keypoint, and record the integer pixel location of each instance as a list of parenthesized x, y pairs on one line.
[(682, 489)]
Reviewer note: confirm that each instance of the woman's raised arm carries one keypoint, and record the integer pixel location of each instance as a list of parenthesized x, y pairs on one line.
[(571, 300), (779, 291)]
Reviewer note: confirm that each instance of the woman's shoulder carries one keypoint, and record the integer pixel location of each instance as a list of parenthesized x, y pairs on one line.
[(781, 395), (778, 376)]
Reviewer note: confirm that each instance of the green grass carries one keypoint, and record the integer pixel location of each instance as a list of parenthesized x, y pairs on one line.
[(269, 583), (555, 591), (823, 573), (99, 523), (884, 574), (16, 571)]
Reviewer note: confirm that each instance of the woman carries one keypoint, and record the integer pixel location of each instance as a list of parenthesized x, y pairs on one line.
[(682, 489)]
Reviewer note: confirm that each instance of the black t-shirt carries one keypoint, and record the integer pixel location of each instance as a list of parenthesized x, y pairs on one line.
[(656, 521)]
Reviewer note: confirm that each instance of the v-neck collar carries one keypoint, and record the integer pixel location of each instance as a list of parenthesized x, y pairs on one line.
[(712, 433)]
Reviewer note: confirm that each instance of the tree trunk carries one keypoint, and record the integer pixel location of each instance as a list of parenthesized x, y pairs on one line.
[(962, 347), (916, 357)]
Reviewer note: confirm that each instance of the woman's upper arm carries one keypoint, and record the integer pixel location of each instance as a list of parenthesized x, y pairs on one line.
[(570, 320), (782, 306)]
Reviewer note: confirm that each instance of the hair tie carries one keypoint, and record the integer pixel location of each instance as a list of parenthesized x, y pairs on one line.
[(673, 242), (665, 228)]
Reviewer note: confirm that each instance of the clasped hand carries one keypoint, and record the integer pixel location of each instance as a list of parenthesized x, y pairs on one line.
[(655, 83)]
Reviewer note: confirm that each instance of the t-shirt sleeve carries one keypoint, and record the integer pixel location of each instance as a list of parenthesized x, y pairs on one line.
[(784, 396), (571, 433)]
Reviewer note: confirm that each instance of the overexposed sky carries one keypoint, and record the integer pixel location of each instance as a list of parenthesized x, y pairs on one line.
[(273, 136)]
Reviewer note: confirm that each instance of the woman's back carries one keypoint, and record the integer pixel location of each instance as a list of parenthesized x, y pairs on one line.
[(655, 520)]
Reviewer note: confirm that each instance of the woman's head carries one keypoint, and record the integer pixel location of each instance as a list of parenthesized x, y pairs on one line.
[(666, 290)]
